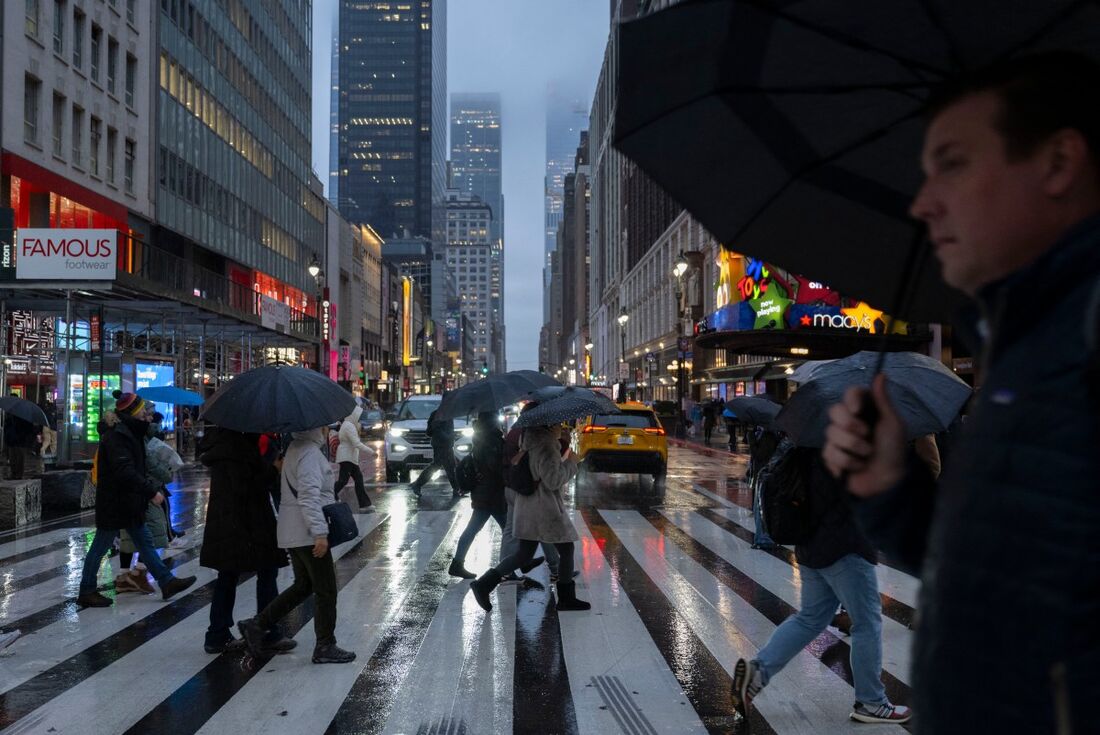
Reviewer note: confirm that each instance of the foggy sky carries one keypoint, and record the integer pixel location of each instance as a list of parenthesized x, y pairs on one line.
[(516, 48)]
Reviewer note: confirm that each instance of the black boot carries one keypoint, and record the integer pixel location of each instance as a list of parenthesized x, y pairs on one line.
[(533, 564), (567, 597), (483, 587), (458, 569)]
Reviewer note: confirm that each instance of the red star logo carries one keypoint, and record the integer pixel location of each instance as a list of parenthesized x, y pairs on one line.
[(806, 321)]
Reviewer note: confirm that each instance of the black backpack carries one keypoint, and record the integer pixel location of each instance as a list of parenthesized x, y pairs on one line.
[(466, 474), (517, 474), (786, 504)]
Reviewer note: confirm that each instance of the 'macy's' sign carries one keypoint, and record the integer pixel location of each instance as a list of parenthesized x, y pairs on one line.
[(65, 254)]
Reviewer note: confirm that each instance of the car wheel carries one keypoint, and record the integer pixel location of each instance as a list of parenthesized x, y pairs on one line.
[(659, 476), (404, 475), (393, 475)]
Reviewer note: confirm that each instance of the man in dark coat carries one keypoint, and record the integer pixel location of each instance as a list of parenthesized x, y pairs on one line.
[(240, 533), (487, 497), (837, 566), (20, 437), (123, 490), (1007, 638), (442, 433)]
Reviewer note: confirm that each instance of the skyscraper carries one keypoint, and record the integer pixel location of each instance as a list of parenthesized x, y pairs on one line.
[(476, 170), (565, 119), (391, 116)]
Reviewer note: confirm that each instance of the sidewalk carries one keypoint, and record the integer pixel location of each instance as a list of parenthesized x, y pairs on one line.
[(719, 446)]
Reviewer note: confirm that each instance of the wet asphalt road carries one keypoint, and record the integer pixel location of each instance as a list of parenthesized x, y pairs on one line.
[(678, 596)]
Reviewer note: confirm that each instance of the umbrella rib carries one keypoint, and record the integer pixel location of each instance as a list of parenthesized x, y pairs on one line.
[(1040, 32), (844, 39), (935, 19)]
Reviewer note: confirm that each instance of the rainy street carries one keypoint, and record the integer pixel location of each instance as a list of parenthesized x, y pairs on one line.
[(678, 596)]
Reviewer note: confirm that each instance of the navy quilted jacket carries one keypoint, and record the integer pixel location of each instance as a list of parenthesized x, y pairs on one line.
[(1008, 632)]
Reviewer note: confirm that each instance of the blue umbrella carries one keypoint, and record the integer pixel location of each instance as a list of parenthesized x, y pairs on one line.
[(278, 398), (170, 394), (926, 395)]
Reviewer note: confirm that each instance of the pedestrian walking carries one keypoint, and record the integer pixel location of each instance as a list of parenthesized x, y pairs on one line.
[(1012, 204), (709, 421), (442, 434), (347, 457), (509, 544), (123, 493), (541, 517), (20, 437), (836, 564), (487, 497), (240, 535), (306, 487), (49, 431)]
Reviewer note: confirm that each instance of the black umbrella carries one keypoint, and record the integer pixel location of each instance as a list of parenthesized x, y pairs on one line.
[(791, 130), (754, 409), (278, 398), (492, 393), (24, 409), (926, 395), (557, 404)]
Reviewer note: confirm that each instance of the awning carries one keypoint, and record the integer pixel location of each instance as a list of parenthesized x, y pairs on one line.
[(806, 344)]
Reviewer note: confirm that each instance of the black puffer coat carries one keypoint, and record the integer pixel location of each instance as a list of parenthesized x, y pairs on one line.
[(123, 489), (240, 521), (488, 457), (1008, 634), (837, 534)]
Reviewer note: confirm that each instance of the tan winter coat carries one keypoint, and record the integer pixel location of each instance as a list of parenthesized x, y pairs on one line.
[(542, 516)]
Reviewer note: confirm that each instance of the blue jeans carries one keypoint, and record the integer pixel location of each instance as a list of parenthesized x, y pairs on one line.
[(101, 544), (852, 582)]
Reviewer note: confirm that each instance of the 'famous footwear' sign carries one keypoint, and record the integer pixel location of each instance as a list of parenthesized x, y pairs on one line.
[(64, 254)]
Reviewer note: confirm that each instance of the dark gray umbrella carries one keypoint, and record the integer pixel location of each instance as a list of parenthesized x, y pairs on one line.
[(754, 409), (791, 130), (24, 409), (278, 398), (557, 404), (492, 393), (926, 395)]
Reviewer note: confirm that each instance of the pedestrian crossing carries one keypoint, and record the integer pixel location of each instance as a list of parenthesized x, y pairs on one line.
[(677, 593)]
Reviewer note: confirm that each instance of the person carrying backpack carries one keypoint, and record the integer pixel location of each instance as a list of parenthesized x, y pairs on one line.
[(836, 563), (487, 495), (541, 517)]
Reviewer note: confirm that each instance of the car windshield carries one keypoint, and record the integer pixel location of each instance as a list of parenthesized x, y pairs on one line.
[(372, 416), (417, 409), (628, 419)]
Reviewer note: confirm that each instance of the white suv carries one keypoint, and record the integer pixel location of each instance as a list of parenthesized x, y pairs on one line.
[(408, 445)]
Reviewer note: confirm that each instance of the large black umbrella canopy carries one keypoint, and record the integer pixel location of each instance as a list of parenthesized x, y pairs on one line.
[(754, 409), (492, 393), (24, 409), (557, 404), (926, 395), (792, 130), (278, 398)]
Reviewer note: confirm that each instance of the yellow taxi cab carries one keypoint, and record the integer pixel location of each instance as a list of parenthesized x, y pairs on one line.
[(632, 441)]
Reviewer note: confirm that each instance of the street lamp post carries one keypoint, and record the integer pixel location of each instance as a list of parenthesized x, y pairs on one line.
[(314, 269), (431, 366), (623, 319), (678, 271)]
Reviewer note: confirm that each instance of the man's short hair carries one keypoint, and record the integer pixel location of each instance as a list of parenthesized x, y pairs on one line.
[(1040, 94)]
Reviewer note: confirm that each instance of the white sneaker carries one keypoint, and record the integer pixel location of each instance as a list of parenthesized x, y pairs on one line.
[(179, 542), (6, 639), (887, 712), (747, 683)]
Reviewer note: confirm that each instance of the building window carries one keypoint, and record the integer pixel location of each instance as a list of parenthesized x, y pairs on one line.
[(32, 88), (95, 133), (31, 26), (112, 152), (78, 38), (128, 167), (112, 64), (58, 125), (59, 27), (131, 73), (93, 51), (130, 12), (78, 137)]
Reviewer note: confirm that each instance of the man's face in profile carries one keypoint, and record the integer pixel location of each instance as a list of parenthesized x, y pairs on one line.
[(980, 206)]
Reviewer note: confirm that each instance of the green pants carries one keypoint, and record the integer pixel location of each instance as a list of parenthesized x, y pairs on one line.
[(312, 576)]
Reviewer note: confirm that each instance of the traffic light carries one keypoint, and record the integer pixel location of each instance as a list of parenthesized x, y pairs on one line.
[(362, 376), (484, 368)]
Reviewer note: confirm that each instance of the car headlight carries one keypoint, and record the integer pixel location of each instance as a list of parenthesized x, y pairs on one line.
[(463, 447), (398, 448), (377, 426), (468, 431), (398, 431)]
